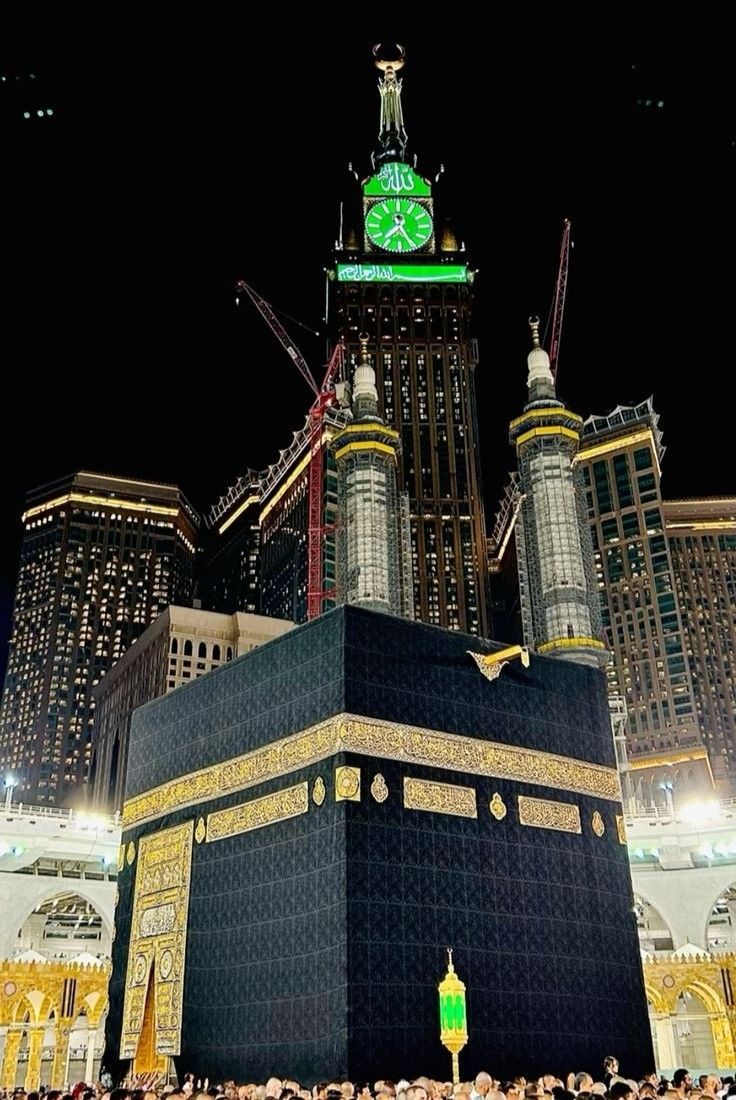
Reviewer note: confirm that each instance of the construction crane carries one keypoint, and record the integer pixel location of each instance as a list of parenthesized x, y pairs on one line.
[(324, 398), (509, 508), (558, 305)]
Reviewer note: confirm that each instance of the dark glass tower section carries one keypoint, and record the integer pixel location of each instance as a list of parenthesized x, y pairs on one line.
[(230, 570), (101, 558), (404, 282)]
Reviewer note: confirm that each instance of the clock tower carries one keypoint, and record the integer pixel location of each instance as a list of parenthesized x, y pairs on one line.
[(405, 283)]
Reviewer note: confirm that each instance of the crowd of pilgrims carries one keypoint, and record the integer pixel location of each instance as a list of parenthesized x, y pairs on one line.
[(577, 1086)]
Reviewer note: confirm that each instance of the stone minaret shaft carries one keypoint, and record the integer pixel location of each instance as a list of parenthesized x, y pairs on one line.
[(373, 552), (559, 596)]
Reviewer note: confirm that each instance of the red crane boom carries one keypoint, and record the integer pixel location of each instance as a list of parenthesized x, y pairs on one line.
[(324, 398), (280, 333), (558, 306), (316, 531)]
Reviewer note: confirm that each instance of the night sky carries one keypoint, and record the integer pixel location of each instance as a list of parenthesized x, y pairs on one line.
[(169, 169)]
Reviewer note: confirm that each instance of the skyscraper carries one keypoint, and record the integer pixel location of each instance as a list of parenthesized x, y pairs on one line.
[(400, 276), (101, 558), (701, 535), (559, 603), (620, 458), (230, 570)]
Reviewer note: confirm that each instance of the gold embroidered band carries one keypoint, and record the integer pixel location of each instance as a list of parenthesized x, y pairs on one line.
[(375, 738)]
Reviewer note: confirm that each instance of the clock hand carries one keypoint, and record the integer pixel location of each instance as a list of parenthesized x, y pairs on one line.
[(391, 232), (405, 234)]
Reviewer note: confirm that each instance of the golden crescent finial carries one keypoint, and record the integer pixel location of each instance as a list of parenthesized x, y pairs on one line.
[(394, 63)]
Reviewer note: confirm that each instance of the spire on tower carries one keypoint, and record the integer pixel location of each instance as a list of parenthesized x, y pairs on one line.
[(391, 132), (365, 394), (540, 382)]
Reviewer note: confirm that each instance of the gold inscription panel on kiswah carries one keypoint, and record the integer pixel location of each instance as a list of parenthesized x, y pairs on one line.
[(439, 798), (158, 935), (375, 738), (279, 806), (543, 813)]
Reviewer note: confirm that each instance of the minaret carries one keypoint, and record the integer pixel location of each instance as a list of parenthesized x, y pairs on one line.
[(559, 597), (373, 546)]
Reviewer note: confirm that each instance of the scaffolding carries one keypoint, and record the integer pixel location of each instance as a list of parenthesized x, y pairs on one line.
[(371, 562), (504, 522), (558, 593)]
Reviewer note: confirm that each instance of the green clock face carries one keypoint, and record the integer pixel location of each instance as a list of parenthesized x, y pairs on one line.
[(398, 224)]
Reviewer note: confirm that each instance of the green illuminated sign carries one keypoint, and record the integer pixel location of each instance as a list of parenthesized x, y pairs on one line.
[(397, 179), (403, 273)]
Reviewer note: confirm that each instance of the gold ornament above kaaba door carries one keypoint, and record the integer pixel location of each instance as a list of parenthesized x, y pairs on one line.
[(319, 791), (347, 784), (598, 824), (201, 831), (497, 806), (379, 789)]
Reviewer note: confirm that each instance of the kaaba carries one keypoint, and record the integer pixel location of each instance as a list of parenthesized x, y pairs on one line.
[(309, 827)]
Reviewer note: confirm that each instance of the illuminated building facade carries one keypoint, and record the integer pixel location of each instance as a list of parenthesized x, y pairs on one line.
[(400, 276), (257, 538), (181, 645), (283, 519), (701, 535), (683, 870), (58, 875), (284, 523), (101, 558), (620, 456)]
